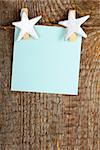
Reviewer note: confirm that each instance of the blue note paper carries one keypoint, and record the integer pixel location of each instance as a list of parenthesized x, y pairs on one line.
[(49, 64)]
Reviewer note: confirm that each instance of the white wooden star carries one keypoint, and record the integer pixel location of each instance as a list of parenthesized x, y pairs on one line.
[(27, 26), (73, 25)]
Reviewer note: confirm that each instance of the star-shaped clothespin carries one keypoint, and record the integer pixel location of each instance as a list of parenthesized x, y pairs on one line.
[(73, 26), (26, 26)]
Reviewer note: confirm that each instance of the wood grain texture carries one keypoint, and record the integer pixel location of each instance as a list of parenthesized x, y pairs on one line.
[(36, 121)]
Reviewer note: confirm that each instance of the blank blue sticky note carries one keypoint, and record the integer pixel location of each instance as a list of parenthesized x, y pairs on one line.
[(48, 65)]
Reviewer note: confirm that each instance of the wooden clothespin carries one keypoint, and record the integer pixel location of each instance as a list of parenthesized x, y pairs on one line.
[(72, 14), (26, 35), (26, 25), (73, 26)]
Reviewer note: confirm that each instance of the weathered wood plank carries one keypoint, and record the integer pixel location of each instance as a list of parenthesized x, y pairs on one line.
[(31, 121)]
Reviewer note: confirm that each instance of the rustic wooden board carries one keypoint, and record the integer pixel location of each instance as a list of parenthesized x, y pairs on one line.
[(32, 121)]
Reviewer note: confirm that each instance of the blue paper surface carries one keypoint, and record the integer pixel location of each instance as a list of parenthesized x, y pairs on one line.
[(49, 64)]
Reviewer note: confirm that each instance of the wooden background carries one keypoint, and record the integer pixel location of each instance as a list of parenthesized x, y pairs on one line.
[(34, 121)]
